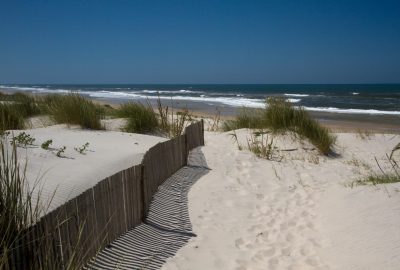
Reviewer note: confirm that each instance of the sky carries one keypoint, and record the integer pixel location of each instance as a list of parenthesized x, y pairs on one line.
[(128, 41)]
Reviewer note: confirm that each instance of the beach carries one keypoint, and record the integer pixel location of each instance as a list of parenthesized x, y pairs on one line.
[(298, 209), (298, 213), (200, 135)]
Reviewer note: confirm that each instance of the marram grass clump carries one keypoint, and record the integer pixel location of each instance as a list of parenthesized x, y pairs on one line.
[(10, 117), (14, 108), (141, 118), (73, 109), (18, 209), (280, 116)]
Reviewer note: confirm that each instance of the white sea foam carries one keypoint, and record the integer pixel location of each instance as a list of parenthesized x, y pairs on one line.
[(351, 111), (236, 102), (355, 93), (296, 95), (36, 89), (166, 91), (293, 100)]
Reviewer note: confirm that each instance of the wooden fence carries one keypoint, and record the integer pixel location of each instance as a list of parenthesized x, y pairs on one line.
[(73, 233)]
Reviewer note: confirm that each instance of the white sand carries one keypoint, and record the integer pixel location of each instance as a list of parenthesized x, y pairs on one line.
[(109, 152), (250, 213)]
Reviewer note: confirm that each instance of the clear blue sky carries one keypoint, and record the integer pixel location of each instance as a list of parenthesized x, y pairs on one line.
[(116, 41)]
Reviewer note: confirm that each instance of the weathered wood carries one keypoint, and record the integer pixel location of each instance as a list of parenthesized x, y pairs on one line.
[(95, 218)]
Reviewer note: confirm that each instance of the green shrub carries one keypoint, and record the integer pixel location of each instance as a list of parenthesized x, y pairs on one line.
[(73, 109), (140, 118)]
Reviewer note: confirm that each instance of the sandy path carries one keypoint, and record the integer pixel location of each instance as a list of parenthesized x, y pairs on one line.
[(251, 213)]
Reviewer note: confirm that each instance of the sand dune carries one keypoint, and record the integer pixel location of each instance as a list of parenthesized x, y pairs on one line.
[(62, 178), (299, 213)]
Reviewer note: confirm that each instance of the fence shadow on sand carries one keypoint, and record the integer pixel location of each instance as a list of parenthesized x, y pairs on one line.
[(166, 228)]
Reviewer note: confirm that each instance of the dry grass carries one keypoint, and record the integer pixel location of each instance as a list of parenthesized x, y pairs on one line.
[(387, 176), (263, 146), (172, 124)]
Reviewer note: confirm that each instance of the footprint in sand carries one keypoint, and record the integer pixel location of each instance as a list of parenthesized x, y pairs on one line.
[(244, 244)]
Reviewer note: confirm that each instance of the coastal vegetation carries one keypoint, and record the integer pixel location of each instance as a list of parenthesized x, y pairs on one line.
[(14, 108), (18, 209), (280, 116), (141, 118), (172, 124), (73, 109), (10, 117), (263, 146), (385, 176)]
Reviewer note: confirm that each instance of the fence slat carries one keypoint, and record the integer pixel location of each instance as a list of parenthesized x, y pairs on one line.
[(95, 218)]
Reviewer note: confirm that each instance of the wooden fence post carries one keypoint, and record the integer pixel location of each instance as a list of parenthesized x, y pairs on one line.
[(202, 132), (142, 184)]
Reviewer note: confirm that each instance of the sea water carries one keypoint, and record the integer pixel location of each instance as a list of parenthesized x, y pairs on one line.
[(378, 99)]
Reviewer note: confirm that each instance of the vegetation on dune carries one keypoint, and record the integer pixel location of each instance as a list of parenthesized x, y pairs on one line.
[(280, 116), (25, 105), (73, 109), (18, 209), (172, 124), (141, 118), (10, 117), (384, 177), (246, 118), (14, 108)]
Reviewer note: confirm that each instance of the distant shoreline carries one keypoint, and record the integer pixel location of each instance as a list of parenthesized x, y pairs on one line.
[(337, 122)]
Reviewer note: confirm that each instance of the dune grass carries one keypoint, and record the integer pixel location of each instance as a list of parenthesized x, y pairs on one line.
[(19, 210), (246, 118), (172, 124), (14, 108), (26, 105), (17, 207), (141, 118), (73, 109), (10, 117), (386, 176), (280, 116)]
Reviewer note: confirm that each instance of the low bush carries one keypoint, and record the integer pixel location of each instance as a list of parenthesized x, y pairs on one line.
[(73, 109), (140, 118)]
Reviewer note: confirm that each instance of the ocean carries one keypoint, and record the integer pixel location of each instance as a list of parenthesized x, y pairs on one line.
[(371, 99)]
